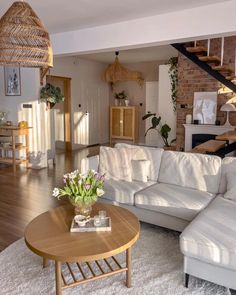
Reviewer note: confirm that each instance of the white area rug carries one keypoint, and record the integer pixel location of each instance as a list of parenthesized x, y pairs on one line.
[(157, 269)]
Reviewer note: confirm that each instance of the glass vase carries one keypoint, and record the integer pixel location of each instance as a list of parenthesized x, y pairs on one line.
[(82, 208)]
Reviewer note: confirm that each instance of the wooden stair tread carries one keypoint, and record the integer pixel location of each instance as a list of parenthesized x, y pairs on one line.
[(231, 78), (210, 58), (198, 49), (223, 68), (229, 136), (210, 146)]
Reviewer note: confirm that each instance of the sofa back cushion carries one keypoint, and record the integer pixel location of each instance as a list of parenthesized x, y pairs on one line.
[(228, 166), (197, 171), (151, 154), (116, 163)]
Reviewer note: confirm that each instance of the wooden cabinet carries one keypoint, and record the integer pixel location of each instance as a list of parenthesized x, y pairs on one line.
[(124, 123), (14, 132)]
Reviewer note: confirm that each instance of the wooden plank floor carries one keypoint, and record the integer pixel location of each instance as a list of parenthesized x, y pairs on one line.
[(28, 193)]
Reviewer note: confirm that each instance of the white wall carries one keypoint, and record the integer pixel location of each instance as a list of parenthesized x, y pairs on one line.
[(37, 116), (137, 94), (165, 105), (87, 89), (199, 22)]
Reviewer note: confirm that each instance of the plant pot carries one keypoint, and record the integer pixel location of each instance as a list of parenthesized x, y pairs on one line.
[(84, 209), (169, 148), (50, 105), (116, 102)]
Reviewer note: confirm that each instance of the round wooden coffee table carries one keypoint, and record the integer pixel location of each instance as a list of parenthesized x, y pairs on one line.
[(49, 236)]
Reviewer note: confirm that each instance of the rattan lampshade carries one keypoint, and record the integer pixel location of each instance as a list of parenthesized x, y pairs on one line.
[(24, 41), (116, 72)]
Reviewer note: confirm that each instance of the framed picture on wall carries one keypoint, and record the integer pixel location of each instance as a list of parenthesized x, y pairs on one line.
[(204, 107), (12, 81)]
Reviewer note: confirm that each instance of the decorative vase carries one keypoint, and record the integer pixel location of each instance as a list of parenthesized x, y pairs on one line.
[(126, 102), (3, 118), (116, 102), (82, 208)]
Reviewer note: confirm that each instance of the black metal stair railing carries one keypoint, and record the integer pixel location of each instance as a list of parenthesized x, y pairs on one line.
[(203, 65)]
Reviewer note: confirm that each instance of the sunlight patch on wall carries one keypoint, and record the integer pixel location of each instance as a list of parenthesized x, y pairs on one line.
[(81, 128)]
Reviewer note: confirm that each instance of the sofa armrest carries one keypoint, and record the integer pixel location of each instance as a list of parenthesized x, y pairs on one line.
[(89, 163)]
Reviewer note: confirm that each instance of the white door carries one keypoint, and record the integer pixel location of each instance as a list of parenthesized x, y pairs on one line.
[(92, 119), (152, 137)]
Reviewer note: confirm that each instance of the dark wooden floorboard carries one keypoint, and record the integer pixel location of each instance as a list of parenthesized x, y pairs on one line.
[(28, 193)]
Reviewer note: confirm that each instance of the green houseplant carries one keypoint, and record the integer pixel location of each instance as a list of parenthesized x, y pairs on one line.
[(51, 95), (81, 190), (163, 130), (173, 74)]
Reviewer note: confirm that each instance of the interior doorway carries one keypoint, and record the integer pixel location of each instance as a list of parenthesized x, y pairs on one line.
[(61, 115)]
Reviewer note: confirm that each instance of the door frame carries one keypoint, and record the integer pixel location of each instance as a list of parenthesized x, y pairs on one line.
[(67, 109)]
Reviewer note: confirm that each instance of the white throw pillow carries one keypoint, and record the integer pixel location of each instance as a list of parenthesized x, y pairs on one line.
[(116, 163), (231, 186), (141, 170), (152, 154)]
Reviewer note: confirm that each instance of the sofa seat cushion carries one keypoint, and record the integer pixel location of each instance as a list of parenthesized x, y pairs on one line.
[(173, 200), (123, 191), (196, 171), (211, 237)]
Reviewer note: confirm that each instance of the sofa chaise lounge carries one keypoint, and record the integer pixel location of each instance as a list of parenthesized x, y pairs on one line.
[(180, 191)]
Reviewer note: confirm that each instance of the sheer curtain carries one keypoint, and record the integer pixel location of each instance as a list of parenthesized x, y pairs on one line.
[(40, 144)]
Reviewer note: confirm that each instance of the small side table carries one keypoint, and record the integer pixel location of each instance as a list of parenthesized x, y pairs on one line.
[(13, 132)]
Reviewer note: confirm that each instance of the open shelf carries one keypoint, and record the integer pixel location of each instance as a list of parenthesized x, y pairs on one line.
[(10, 161)]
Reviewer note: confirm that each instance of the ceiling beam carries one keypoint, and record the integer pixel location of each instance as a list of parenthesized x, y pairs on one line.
[(179, 26)]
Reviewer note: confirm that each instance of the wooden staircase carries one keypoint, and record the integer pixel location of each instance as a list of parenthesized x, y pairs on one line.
[(210, 63)]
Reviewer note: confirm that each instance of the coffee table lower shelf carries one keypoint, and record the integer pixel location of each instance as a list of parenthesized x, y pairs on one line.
[(77, 275)]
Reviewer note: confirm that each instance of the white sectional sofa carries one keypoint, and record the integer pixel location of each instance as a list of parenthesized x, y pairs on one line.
[(183, 192)]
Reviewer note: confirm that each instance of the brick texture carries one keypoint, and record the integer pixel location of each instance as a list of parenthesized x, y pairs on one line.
[(193, 79)]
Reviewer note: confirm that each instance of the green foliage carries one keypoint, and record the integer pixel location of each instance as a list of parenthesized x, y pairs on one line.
[(163, 130), (50, 93), (173, 73)]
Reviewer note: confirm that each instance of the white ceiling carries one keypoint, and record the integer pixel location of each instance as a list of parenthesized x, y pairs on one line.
[(66, 15), (154, 53)]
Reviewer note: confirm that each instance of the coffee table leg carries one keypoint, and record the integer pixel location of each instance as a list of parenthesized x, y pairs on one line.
[(128, 265), (58, 277), (45, 262)]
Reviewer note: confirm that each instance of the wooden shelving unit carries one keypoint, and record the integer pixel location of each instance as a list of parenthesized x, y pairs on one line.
[(13, 132)]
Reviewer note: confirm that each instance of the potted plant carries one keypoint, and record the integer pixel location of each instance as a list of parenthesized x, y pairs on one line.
[(163, 130), (119, 97), (51, 95), (81, 190)]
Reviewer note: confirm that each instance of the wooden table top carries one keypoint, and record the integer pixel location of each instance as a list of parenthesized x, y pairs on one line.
[(210, 146), (230, 136), (49, 236)]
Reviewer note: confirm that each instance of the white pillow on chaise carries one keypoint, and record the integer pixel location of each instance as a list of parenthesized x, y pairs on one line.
[(231, 187), (116, 163)]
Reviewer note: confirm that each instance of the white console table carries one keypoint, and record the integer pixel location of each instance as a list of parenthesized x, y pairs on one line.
[(191, 129)]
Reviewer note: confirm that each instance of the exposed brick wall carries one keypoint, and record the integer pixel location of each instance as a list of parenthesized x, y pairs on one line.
[(193, 79)]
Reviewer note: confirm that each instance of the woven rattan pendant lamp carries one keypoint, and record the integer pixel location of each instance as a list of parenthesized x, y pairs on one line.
[(116, 72), (24, 41)]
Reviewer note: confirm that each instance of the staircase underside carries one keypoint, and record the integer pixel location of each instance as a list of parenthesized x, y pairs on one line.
[(215, 71)]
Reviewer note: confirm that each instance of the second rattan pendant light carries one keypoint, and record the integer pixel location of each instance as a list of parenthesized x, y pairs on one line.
[(116, 72), (24, 41)]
